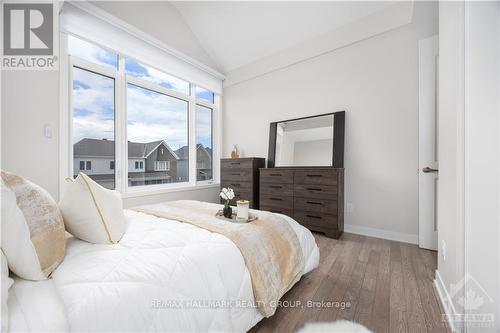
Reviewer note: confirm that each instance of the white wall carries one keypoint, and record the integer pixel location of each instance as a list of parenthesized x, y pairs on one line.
[(376, 82), (317, 152), (209, 194), (451, 159), (482, 155), (30, 100), (469, 127)]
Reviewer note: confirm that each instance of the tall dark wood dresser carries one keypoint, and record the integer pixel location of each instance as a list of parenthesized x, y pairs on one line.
[(313, 196), (242, 175)]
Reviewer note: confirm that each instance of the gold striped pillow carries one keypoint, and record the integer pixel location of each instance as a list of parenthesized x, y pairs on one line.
[(33, 231)]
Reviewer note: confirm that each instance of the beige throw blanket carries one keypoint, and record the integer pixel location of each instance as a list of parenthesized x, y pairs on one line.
[(269, 246)]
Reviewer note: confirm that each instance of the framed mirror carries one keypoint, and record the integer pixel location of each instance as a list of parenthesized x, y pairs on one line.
[(308, 141)]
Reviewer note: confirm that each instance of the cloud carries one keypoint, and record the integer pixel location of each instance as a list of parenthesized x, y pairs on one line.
[(155, 76), (93, 106), (91, 52)]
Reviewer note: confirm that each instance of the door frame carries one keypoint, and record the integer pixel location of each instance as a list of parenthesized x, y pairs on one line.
[(428, 49)]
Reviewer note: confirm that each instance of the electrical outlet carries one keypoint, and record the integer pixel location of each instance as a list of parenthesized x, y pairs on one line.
[(349, 207), (443, 249)]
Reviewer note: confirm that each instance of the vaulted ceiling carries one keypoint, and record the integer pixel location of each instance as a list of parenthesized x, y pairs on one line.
[(234, 34)]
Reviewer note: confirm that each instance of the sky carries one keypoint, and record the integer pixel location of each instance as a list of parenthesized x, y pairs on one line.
[(150, 116)]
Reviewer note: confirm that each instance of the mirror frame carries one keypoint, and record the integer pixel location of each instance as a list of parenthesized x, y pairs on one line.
[(338, 140)]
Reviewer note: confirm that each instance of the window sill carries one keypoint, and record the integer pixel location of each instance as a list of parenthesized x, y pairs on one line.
[(158, 190)]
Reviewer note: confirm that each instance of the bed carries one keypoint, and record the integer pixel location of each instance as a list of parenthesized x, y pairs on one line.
[(163, 275)]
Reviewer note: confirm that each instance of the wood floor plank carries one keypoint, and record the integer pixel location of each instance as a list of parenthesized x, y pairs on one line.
[(397, 306), (424, 279), (367, 295), (381, 311), (388, 284), (415, 314)]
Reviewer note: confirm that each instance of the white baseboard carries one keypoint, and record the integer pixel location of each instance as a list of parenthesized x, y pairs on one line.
[(445, 299), (381, 233)]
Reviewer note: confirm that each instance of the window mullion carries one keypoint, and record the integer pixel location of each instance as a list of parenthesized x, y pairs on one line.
[(121, 128), (192, 135), (216, 138)]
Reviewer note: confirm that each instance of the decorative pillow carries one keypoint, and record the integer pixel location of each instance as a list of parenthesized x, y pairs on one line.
[(92, 212), (32, 228)]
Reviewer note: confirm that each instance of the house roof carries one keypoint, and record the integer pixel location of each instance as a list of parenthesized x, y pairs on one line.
[(183, 152), (106, 148)]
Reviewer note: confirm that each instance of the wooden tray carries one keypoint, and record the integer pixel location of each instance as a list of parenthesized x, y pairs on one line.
[(233, 219)]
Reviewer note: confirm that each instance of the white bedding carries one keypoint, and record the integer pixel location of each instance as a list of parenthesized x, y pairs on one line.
[(158, 278)]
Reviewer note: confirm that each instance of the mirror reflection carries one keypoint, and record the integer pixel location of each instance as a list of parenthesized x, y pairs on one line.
[(305, 142)]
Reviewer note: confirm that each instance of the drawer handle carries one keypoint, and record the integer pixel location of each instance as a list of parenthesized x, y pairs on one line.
[(235, 163), (275, 186), (275, 174), (276, 199), (236, 174), (313, 189), (315, 176), (314, 203), (314, 217), (235, 185)]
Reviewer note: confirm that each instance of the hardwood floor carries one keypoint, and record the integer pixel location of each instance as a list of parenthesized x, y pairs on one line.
[(388, 285)]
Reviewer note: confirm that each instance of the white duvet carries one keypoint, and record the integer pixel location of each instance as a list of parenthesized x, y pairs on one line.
[(163, 276)]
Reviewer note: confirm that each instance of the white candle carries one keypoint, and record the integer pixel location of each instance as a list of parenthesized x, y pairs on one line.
[(242, 212)]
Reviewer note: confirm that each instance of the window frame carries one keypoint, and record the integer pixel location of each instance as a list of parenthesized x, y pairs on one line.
[(212, 110), (67, 62)]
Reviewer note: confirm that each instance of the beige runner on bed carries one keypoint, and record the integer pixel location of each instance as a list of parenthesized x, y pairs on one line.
[(269, 246)]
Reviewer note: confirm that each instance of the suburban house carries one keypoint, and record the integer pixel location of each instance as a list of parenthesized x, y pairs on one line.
[(148, 163), (203, 162)]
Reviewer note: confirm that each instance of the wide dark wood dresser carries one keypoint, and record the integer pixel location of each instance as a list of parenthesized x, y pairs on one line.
[(242, 175), (313, 196)]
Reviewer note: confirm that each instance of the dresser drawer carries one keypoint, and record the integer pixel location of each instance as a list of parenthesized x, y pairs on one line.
[(277, 201), (279, 176), (287, 212), (315, 191), (236, 164), (237, 185), (237, 175), (316, 177), (276, 189), (315, 205), (316, 219)]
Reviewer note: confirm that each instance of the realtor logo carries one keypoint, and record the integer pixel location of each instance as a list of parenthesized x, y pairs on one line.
[(29, 36), (471, 297)]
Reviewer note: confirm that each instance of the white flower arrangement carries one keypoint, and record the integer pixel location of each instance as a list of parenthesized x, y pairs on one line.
[(227, 194)]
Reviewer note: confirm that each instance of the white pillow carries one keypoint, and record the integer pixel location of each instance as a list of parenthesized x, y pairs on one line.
[(92, 212), (33, 236), (6, 283)]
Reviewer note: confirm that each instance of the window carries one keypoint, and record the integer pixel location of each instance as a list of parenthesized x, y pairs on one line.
[(152, 121), (158, 124), (93, 109), (204, 95), (146, 73), (203, 143), (162, 165), (92, 53)]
